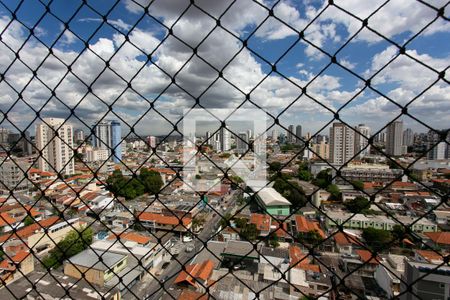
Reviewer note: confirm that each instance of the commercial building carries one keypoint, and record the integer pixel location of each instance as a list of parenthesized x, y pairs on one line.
[(394, 138), (342, 143), (54, 138), (107, 135), (111, 270), (273, 202), (367, 173), (425, 281), (361, 221), (96, 154)]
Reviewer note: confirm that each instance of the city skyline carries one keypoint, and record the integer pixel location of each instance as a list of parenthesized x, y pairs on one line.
[(401, 81)]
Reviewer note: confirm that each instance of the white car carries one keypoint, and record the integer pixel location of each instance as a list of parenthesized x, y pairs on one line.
[(187, 239)]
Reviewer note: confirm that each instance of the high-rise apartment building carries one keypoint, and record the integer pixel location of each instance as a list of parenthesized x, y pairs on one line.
[(4, 133), (290, 134), (298, 133), (225, 143), (394, 138), (342, 143), (274, 135), (242, 143), (321, 149), (151, 141), (361, 140), (55, 139), (437, 151), (408, 137), (108, 135), (79, 136)]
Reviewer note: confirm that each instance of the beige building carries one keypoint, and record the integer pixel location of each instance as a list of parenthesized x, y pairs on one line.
[(342, 143), (34, 237), (16, 267), (322, 150), (55, 139)]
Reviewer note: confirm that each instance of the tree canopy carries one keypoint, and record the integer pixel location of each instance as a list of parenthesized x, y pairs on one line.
[(148, 181), (72, 244), (358, 204), (377, 239)]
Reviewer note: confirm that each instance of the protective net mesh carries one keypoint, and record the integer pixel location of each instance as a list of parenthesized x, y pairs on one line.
[(106, 211)]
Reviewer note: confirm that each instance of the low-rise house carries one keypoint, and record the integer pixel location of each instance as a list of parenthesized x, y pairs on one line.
[(442, 216), (196, 276), (166, 222), (361, 221), (346, 243), (110, 271), (262, 223), (364, 264), (439, 240), (303, 225), (388, 274), (428, 256), (16, 267), (40, 236), (273, 202)]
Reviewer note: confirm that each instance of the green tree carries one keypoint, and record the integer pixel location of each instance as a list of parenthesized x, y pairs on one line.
[(398, 233), (151, 181), (323, 179), (274, 241), (334, 191), (377, 239), (311, 237), (358, 204), (275, 166), (249, 232), (305, 175), (240, 222), (73, 243), (224, 220), (28, 220), (359, 185)]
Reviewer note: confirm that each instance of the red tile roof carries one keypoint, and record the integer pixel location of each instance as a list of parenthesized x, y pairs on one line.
[(6, 219), (429, 255), (192, 295), (367, 257), (261, 221), (200, 271), (441, 237), (131, 236), (163, 219), (345, 239), (300, 260), (27, 231), (304, 225)]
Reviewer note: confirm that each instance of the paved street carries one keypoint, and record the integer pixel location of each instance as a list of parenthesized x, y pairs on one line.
[(154, 290)]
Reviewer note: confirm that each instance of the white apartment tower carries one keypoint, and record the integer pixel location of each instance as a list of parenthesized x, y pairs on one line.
[(361, 136), (342, 143), (225, 143), (55, 140), (394, 138)]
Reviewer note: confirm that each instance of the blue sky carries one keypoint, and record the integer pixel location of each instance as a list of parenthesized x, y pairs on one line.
[(401, 81)]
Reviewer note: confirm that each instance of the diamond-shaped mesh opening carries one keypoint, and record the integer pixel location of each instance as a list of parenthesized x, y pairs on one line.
[(224, 149)]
